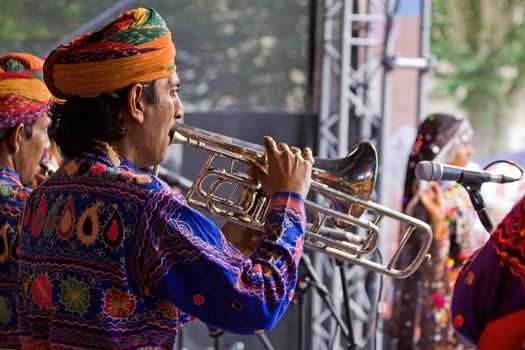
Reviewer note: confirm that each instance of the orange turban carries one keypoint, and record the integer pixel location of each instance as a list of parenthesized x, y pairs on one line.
[(136, 47), (23, 95)]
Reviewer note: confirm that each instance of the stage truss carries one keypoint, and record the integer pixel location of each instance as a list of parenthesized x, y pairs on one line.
[(357, 60)]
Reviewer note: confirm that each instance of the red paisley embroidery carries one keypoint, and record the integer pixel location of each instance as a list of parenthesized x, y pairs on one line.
[(41, 291)]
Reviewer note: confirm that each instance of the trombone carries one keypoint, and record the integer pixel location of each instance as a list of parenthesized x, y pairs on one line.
[(346, 184)]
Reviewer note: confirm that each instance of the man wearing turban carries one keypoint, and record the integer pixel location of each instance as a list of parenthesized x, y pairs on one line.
[(111, 258), (24, 100)]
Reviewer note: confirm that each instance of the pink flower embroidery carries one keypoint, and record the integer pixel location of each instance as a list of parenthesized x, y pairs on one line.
[(98, 169), (126, 175), (22, 195)]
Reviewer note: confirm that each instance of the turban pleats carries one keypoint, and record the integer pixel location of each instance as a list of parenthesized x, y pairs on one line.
[(134, 48), (24, 96)]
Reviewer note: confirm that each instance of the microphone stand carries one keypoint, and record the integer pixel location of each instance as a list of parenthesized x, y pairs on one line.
[(216, 333), (473, 186), (311, 279), (351, 345)]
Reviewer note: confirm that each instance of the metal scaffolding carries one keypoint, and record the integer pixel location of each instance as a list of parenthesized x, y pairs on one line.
[(357, 60), (352, 61), (351, 68)]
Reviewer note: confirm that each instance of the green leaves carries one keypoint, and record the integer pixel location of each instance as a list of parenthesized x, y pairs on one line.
[(480, 43)]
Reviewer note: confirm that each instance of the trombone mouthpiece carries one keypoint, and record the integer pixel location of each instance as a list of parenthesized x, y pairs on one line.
[(178, 138), (171, 134)]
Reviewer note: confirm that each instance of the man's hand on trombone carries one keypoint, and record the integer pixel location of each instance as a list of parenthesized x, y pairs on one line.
[(289, 170)]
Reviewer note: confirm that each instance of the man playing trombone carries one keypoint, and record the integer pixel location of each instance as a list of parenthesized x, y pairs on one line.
[(110, 257)]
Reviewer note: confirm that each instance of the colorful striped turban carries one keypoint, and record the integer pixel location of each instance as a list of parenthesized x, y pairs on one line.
[(136, 47), (23, 95)]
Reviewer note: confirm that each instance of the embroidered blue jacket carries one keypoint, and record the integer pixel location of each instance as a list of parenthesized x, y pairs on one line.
[(109, 257), (12, 198)]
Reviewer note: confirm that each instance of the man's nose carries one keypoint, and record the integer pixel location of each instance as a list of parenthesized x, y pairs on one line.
[(179, 111), (47, 142)]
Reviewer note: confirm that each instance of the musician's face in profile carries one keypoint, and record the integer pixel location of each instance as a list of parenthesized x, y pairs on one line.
[(31, 150), (464, 152), (160, 116)]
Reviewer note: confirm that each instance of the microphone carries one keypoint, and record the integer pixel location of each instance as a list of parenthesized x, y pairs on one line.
[(434, 171)]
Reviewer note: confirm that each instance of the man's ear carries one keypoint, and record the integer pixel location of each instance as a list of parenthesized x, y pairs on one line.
[(15, 138), (135, 103)]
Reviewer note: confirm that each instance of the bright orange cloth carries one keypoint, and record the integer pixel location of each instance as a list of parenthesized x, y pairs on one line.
[(134, 48)]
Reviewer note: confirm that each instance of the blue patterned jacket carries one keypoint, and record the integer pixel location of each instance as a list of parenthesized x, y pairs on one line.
[(12, 198), (110, 257)]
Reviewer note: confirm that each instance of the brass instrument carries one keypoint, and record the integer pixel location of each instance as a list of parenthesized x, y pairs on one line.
[(345, 183)]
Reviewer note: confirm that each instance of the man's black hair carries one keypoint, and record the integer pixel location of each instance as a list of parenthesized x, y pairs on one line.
[(77, 123)]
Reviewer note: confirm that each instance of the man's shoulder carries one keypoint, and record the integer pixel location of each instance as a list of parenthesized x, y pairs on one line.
[(13, 195), (95, 174)]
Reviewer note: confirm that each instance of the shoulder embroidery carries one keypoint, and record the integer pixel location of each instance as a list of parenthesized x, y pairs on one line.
[(52, 218), (98, 169), (113, 232), (71, 167), (142, 179), (88, 225), (27, 217), (67, 220), (22, 194), (126, 175), (39, 216), (6, 191)]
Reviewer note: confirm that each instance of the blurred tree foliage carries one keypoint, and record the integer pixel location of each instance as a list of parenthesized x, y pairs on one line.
[(480, 46), (33, 26), (231, 54)]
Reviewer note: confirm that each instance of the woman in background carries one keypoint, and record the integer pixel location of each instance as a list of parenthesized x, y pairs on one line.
[(421, 303)]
